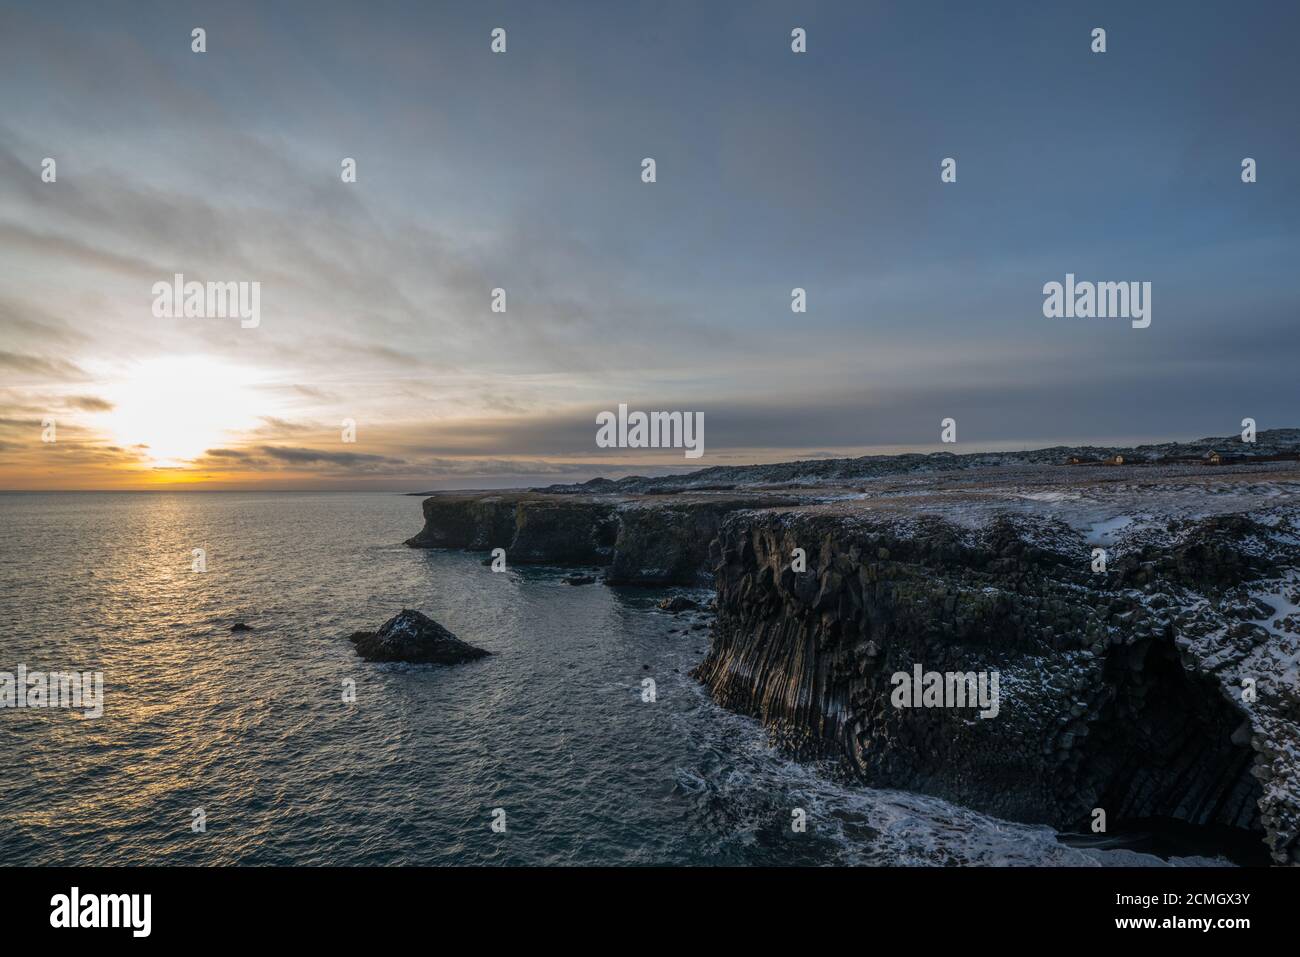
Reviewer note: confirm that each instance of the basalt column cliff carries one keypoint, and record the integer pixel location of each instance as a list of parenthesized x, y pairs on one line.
[(1142, 620)]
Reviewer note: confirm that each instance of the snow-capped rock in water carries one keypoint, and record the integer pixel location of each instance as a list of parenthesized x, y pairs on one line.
[(414, 637)]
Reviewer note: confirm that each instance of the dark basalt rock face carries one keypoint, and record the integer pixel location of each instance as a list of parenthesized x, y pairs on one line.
[(667, 542), (664, 543), (1114, 695), (467, 521), (533, 529), (414, 637), (561, 532)]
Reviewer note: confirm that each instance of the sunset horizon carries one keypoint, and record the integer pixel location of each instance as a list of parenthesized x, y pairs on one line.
[(474, 473)]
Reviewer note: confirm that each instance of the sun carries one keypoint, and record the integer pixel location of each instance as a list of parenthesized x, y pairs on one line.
[(175, 408)]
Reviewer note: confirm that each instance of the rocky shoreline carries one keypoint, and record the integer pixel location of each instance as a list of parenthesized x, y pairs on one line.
[(1162, 687)]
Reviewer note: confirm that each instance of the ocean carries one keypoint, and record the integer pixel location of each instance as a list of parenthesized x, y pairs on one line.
[(249, 734)]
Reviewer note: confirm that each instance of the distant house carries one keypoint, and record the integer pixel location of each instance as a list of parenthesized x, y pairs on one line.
[(1113, 460), (1074, 460), (1213, 458)]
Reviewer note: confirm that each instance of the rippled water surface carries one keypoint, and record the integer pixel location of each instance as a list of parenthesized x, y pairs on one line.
[(252, 728)]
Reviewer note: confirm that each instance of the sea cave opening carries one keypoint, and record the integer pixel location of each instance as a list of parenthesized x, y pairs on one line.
[(1168, 760)]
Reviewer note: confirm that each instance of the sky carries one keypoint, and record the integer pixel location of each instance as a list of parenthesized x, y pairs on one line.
[(523, 171)]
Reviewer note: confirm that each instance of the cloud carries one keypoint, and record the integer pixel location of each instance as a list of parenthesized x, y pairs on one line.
[(41, 367), (25, 322), (89, 403), (275, 426), (303, 456), (264, 457)]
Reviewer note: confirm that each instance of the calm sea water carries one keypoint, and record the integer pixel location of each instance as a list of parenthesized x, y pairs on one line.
[(252, 728)]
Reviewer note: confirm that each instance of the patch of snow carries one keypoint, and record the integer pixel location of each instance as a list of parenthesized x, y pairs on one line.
[(1050, 496), (1104, 532)]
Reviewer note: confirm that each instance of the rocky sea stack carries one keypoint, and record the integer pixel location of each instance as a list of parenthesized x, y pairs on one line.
[(414, 637)]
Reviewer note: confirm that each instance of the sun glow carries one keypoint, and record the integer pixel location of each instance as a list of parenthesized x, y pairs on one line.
[(174, 409)]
